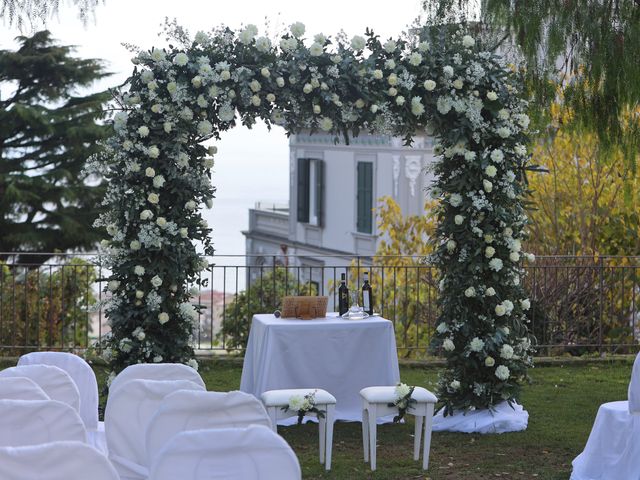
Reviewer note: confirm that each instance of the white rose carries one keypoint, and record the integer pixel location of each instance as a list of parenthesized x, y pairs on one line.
[(500, 310), (488, 238), (134, 245), (150, 172), (297, 29), (469, 156), (447, 70), (495, 264), (525, 304), (530, 257), (451, 245), (476, 345), (390, 46), (163, 318), (455, 199), (377, 74), (139, 294), (146, 215), (161, 222), (225, 75), (113, 285), (271, 97), (172, 87), (255, 101), (247, 35), (307, 88), (153, 151), (468, 41), (184, 233), (514, 256), (416, 106), (489, 362), (442, 328), (458, 84), (156, 281), (316, 49), (167, 126), (316, 109), (143, 131), (158, 181), (490, 292), (138, 270), (503, 132), (454, 385), (470, 292), (190, 205), (506, 352), (392, 79), (358, 43), (448, 345), (181, 59), (326, 124), (193, 363), (491, 171), (502, 372), (497, 155), (429, 85), (487, 186), (400, 100), (153, 198), (492, 96), (415, 59), (373, 108), (458, 219), (489, 252)]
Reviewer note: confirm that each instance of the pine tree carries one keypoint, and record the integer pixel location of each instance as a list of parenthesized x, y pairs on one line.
[(47, 131)]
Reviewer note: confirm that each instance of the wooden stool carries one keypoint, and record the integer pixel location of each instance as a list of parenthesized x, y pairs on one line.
[(375, 405), (274, 400)]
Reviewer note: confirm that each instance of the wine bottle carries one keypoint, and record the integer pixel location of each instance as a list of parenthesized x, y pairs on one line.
[(367, 295), (343, 296)]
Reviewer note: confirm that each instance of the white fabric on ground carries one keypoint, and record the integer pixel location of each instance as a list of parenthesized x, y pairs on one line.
[(253, 453), (196, 410), (503, 419), (54, 381), (156, 371), (55, 461), (336, 355), (20, 388), (129, 410), (31, 422), (80, 372)]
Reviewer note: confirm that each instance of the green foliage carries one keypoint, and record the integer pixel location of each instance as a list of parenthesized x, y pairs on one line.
[(47, 132), (46, 308), (29, 13), (264, 295)]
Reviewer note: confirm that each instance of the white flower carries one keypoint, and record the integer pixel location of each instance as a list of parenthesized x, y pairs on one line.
[(444, 104), (326, 124), (487, 186), (458, 83), (316, 109), (393, 80), (416, 106), (316, 49), (139, 294), (181, 59), (204, 127), (400, 100), (415, 59), (288, 44), (161, 222), (158, 181), (153, 198), (491, 171), (150, 172), (125, 345), (451, 245), (490, 292), (143, 131), (255, 86), (271, 97), (468, 41), (497, 155), (500, 310), (489, 362), (225, 75), (167, 126), (447, 70), (163, 318), (489, 252), (503, 132), (492, 96), (448, 345), (458, 219), (296, 403), (358, 43), (135, 245), (488, 238), (454, 385), (196, 81), (184, 233), (247, 35), (183, 159), (113, 285), (127, 145), (523, 120), (146, 215), (506, 352), (172, 87), (402, 390), (442, 328), (307, 88), (495, 264), (525, 304), (156, 281), (377, 74), (153, 151), (503, 114), (469, 155), (138, 270), (514, 257), (201, 37), (476, 344), (193, 363), (139, 334), (390, 46), (255, 101), (226, 113), (502, 372), (470, 292), (263, 44), (157, 359), (146, 76), (530, 257), (455, 199), (297, 29), (186, 113), (390, 64), (429, 85), (520, 149), (320, 38), (374, 108)]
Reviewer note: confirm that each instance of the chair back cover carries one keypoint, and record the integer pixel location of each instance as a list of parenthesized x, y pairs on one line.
[(32, 422), (634, 387), (80, 372), (55, 382), (195, 410), (156, 371), (127, 415), (252, 453), (55, 461), (20, 388)]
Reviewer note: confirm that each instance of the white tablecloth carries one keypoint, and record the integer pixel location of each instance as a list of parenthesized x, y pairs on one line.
[(340, 356)]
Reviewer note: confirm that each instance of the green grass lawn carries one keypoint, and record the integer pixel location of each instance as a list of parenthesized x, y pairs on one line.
[(562, 401)]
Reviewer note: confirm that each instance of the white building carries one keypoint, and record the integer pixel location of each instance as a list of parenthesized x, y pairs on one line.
[(333, 190)]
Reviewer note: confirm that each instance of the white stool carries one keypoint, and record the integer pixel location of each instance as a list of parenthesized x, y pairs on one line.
[(375, 405), (274, 400)]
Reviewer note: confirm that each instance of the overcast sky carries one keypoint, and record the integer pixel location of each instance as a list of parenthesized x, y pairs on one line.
[(251, 165)]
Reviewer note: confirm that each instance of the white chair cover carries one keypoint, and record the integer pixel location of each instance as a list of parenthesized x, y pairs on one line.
[(55, 461), (31, 422), (129, 410), (54, 381), (252, 453), (156, 371), (195, 410), (80, 372), (20, 388), (634, 387)]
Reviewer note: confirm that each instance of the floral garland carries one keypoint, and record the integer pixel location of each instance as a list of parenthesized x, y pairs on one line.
[(403, 400), (444, 83), (303, 405)]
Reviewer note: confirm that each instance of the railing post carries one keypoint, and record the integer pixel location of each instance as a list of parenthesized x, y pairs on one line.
[(275, 299), (601, 302)]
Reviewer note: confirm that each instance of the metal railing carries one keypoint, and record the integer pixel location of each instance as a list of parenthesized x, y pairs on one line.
[(578, 304)]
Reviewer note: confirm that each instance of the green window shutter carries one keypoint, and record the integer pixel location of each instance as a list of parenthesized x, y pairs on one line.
[(303, 190), (320, 192), (364, 214)]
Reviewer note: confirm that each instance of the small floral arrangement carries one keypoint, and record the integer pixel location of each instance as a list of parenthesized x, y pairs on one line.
[(304, 405), (403, 400)]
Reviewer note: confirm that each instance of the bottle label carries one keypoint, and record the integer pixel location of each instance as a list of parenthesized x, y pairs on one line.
[(366, 303)]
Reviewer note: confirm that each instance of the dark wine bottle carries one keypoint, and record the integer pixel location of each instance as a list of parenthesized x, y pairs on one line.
[(343, 296), (367, 295)]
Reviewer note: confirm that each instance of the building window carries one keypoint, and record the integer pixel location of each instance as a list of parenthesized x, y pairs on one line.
[(311, 191), (364, 213)]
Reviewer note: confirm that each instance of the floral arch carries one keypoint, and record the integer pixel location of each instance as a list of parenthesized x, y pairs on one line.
[(160, 175)]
